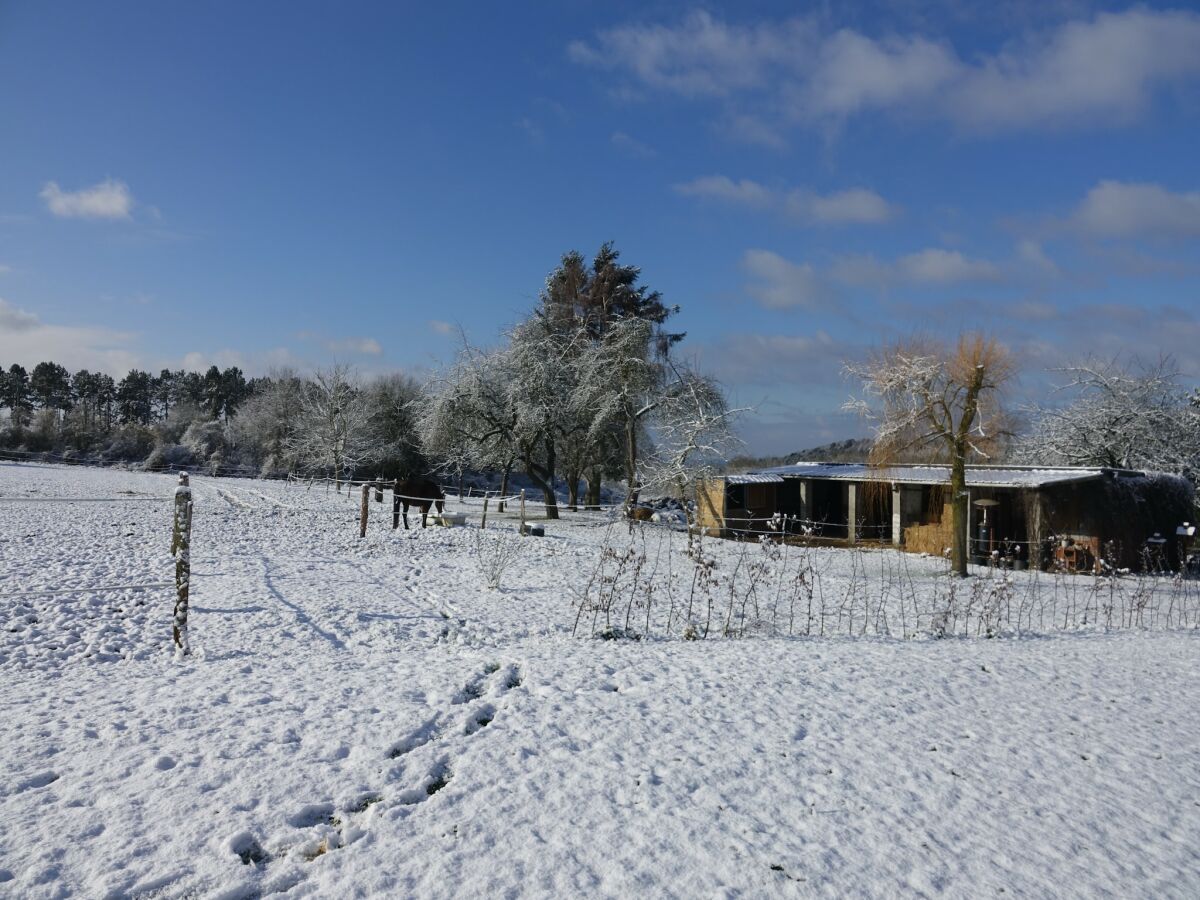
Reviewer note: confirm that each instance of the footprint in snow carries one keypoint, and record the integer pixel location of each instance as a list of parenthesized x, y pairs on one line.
[(480, 718), (313, 814), (439, 776), (418, 737), (247, 848), (35, 782)]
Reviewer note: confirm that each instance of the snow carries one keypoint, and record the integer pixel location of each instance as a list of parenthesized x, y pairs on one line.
[(977, 476), (367, 718)]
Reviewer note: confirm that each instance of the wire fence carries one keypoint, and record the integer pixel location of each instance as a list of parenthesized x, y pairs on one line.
[(651, 582)]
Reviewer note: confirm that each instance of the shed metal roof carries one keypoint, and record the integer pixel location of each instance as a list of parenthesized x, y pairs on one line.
[(754, 478), (977, 476)]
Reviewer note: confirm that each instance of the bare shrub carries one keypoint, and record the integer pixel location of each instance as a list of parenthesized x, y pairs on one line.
[(495, 550)]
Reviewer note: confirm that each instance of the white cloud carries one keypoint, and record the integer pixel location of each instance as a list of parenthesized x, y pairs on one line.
[(700, 56), (366, 346), (26, 339), (856, 206), (631, 146), (251, 364), (780, 284), (752, 130), (933, 266), (13, 320), (774, 359), (937, 266), (107, 200), (1099, 71), (1032, 257), (854, 73), (1127, 209), (720, 187), (446, 329)]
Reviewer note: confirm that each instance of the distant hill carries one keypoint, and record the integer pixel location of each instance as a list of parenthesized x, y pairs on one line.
[(850, 450)]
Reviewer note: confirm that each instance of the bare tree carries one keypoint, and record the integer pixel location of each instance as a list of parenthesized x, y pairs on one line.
[(922, 394), (333, 421)]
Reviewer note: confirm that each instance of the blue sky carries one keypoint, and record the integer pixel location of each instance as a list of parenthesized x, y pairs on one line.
[(292, 183)]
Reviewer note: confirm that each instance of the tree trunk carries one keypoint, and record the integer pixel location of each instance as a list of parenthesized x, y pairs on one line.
[(551, 461), (958, 515), (503, 487), (543, 477), (547, 491), (573, 491), (631, 462), (595, 479)]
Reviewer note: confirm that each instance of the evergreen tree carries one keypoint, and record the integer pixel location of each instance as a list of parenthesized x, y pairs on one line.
[(106, 397), (135, 398), (190, 389), (166, 392), (83, 386), (234, 390), (16, 395), (50, 385), (214, 392)]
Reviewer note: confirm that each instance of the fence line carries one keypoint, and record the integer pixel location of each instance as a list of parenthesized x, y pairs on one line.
[(642, 586)]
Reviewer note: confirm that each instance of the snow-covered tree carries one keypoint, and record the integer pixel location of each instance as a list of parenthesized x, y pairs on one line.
[(332, 430), (693, 431), (465, 417), (1122, 415), (395, 446), (922, 394), (266, 424), (622, 382)]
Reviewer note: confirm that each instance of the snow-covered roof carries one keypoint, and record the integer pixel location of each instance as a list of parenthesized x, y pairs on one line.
[(977, 476), (754, 478)]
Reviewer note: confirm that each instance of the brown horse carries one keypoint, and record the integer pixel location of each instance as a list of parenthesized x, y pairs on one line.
[(419, 492)]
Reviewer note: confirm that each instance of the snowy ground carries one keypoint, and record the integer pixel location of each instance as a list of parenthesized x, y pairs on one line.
[(365, 718)]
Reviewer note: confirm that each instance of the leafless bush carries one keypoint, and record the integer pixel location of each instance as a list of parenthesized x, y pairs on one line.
[(781, 584), (495, 550)]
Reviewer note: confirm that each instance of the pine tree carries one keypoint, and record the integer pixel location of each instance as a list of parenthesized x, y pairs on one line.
[(135, 398), (16, 396), (50, 385)]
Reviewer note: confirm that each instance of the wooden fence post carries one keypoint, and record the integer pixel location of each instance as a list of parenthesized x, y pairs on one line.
[(483, 524), (181, 549), (366, 505), (522, 510), (378, 488)]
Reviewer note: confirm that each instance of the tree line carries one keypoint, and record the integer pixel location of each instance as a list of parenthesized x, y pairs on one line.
[(589, 386), (100, 402)]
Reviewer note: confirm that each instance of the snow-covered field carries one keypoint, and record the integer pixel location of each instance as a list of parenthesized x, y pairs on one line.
[(366, 718)]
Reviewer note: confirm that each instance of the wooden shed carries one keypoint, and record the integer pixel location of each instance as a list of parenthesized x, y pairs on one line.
[(1044, 516), (737, 504)]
